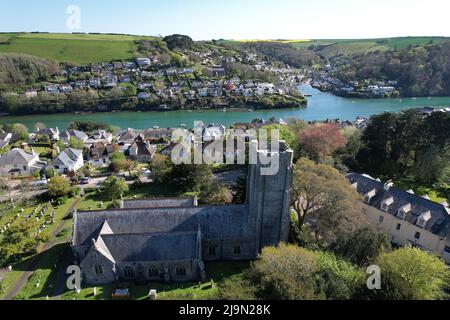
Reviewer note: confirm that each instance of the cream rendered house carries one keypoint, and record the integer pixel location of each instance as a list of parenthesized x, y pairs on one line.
[(407, 218)]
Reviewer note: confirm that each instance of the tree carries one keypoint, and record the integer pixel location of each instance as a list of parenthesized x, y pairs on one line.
[(192, 177), (161, 167), (178, 41), (320, 191), (20, 239), (290, 272), (410, 273), (321, 141), (59, 187), (115, 187), (220, 194), (76, 143), (362, 246)]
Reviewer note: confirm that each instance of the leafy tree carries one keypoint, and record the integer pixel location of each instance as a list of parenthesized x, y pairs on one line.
[(76, 144), (321, 192), (361, 246), (336, 278), (20, 239), (178, 41), (220, 194), (59, 187), (410, 273), (289, 272), (161, 167), (192, 177), (115, 187), (321, 141)]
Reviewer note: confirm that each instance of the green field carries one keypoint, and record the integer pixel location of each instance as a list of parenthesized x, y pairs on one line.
[(77, 48)]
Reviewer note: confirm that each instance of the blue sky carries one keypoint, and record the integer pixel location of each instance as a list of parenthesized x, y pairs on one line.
[(236, 19)]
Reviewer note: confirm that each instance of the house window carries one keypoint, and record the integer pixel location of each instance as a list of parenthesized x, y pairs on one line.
[(399, 226), (381, 219), (129, 273), (154, 272), (447, 249), (181, 271), (98, 269), (212, 251), (237, 250), (24, 168), (417, 235)]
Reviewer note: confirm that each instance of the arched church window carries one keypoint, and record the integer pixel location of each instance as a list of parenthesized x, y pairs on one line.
[(181, 271), (237, 249), (98, 269), (212, 251), (154, 272), (129, 273)]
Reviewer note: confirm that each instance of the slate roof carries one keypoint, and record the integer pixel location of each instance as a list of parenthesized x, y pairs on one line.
[(151, 247), (217, 222), (68, 157), (439, 223), (17, 156), (159, 203), (80, 135)]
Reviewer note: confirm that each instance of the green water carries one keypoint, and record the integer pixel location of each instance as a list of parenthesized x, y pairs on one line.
[(321, 106)]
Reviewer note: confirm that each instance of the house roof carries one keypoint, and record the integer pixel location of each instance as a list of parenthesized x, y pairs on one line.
[(143, 148), (18, 156), (438, 224), (68, 157), (80, 135)]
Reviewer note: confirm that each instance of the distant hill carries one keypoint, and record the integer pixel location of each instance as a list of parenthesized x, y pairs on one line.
[(331, 47)]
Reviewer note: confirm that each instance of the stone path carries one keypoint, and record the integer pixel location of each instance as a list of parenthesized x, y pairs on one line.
[(35, 260)]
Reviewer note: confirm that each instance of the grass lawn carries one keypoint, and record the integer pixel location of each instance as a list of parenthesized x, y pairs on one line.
[(19, 267), (217, 272), (42, 282)]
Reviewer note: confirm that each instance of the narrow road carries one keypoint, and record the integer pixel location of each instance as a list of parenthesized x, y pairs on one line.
[(34, 262)]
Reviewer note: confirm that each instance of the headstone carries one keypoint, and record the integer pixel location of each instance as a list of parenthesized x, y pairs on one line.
[(95, 291), (152, 295)]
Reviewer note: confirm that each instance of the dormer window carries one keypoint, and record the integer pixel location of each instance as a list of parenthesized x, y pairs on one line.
[(386, 203), (423, 219), (403, 211), (368, 196)]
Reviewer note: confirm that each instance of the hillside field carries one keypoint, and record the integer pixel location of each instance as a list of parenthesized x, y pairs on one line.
[(77, 48)]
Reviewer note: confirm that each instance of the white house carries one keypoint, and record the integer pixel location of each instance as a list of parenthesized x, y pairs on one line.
[(408, 219), (17, 162), (70, 160)]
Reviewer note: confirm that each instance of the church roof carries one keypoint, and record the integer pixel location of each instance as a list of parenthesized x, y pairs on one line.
[(152, 247), (159, 203), (217, 222)]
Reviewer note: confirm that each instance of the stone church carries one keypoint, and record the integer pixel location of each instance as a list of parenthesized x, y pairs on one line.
[(169, 240)]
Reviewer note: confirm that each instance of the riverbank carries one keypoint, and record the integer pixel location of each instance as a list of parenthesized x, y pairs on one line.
[(321, 106)]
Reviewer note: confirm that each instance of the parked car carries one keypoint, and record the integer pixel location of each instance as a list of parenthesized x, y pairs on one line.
[(85, 180)]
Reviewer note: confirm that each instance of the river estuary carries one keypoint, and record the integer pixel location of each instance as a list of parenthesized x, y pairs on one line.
[(321, 106)]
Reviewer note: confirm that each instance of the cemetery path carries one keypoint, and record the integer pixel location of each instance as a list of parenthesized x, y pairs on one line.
[(34, 262)]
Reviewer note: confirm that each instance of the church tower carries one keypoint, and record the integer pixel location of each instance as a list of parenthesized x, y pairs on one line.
[(269, 198)]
